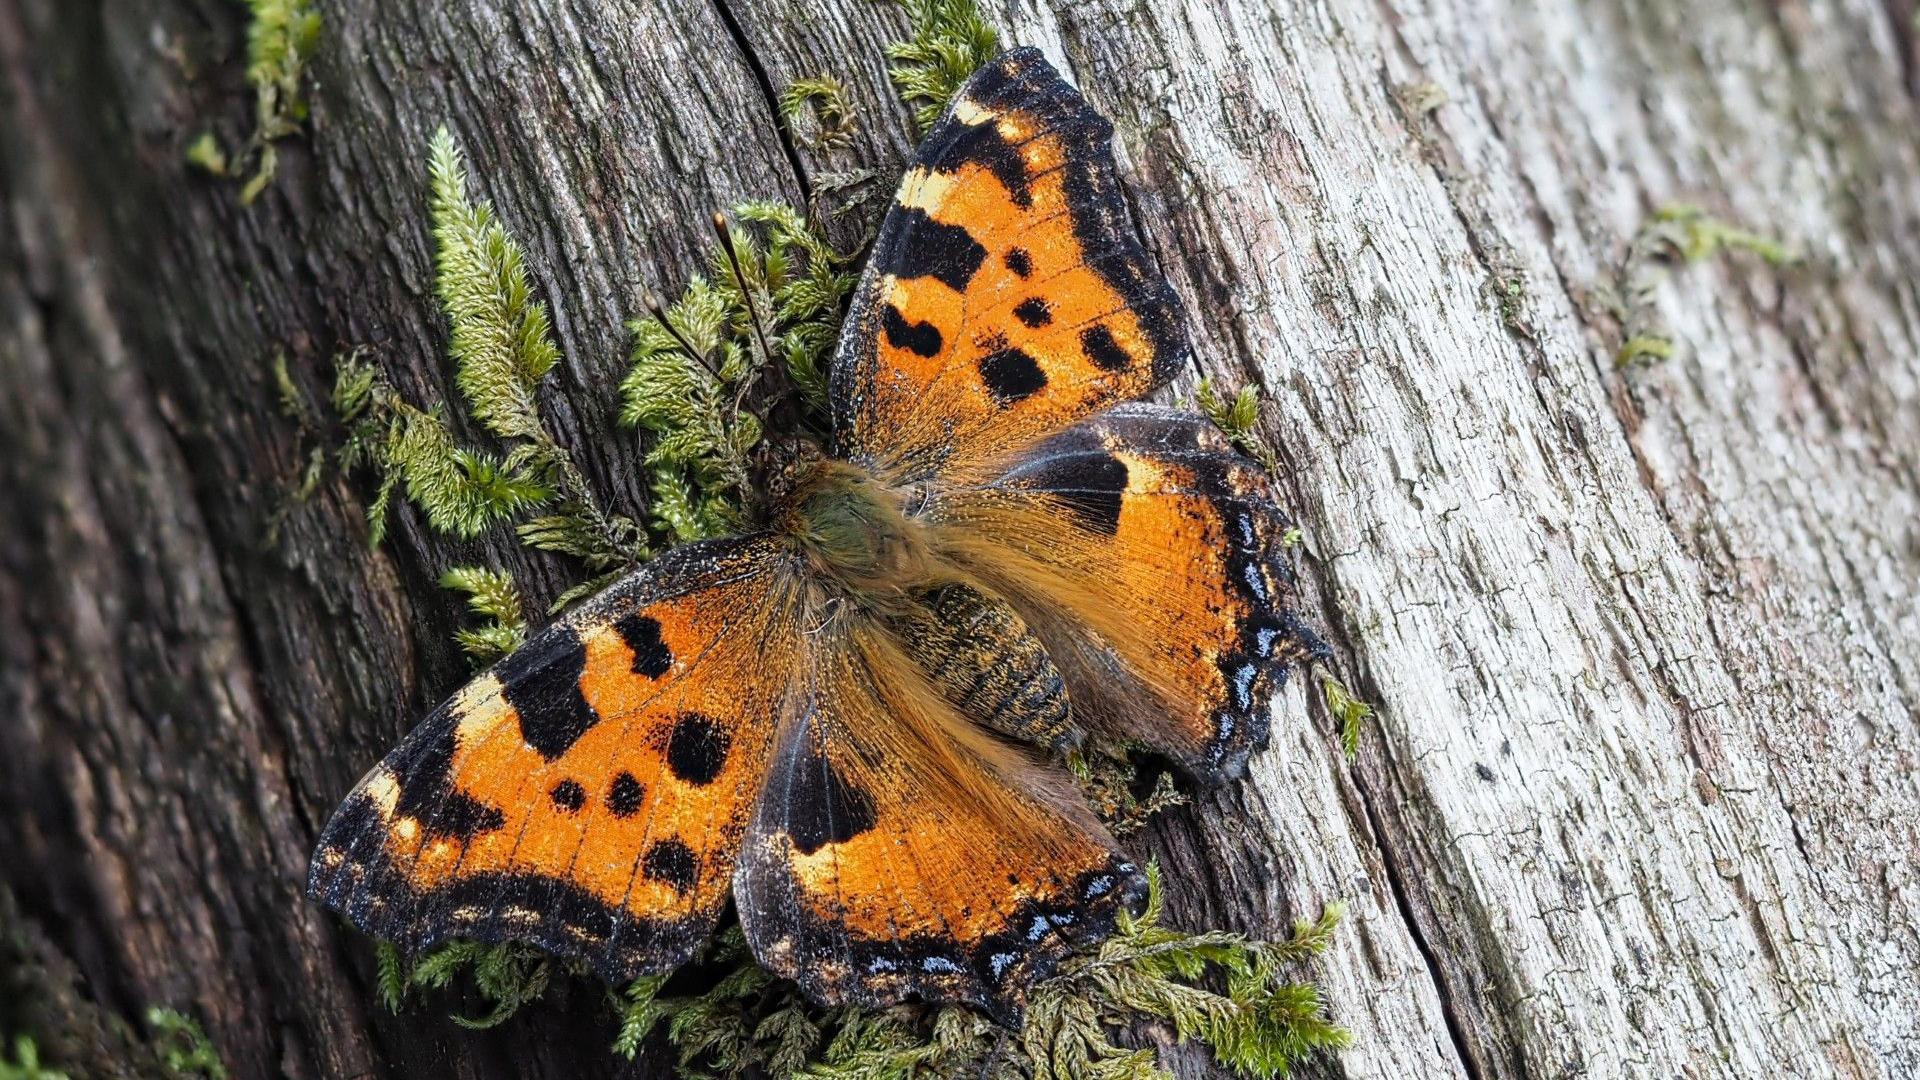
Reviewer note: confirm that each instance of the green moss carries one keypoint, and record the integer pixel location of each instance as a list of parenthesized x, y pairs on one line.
[(1695, 235), (1237, 417), (206, 154), (1643, 349), (1112, 777), (761, 328), (22, 1062), (510, 976), (950, 41), (183, 1047), (1349, 712), (1510, 295), (1676, 235), (493, 595), (1224, 990), (502, 348), (281, 38), (817, 113), (1422, 99)]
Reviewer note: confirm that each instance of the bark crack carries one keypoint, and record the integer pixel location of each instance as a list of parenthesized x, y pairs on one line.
[(772, 97), (1449, 1008)]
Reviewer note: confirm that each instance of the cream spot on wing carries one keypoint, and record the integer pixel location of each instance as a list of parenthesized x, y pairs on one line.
[(478, 705), (384, 789), (925, 190), (968, 111)]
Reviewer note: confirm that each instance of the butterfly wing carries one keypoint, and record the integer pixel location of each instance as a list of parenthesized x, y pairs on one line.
[(1005, 297), (589, 792), (899, 851), (1149, 560)]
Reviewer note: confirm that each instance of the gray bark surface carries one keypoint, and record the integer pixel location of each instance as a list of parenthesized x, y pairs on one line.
[(1641, 795)]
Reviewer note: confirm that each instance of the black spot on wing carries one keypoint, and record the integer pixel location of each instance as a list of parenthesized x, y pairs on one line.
[(671, 863), (922, 339), (464, 817), (825, 807), (624, 795), (982, 144), (542, 681), (651, 657), (1019, 261), (697, 749), (569, 796), (1022, 81), (1107, 355), (423, 768), (1092, 486), (924, 247), (1034, 312), (1011, 375)]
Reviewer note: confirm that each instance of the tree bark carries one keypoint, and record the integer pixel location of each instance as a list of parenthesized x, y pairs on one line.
[(1641, 792)]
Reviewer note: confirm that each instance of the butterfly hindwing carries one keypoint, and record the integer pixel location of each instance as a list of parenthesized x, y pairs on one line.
[(899, 851), (589, 792), (1005, 297), (1149, 559)]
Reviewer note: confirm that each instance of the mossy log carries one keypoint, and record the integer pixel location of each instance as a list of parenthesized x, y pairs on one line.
[(1639, 797)]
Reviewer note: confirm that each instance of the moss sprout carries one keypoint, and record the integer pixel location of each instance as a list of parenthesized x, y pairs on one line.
[(1677, 235), (817, 112), (281, 38), (493, 595), (21, 1061), (183, 1047), (1237, 417), (1349, 712), (950, 40), (764, 324)]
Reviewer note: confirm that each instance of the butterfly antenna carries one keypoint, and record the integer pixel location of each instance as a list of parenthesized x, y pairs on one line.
[(746, 296), (659, 314)]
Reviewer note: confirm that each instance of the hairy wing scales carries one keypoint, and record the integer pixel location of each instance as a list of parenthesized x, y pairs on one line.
[(900, 852)]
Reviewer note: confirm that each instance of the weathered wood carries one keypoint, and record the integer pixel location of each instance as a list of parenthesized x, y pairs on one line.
[(1640, 797)]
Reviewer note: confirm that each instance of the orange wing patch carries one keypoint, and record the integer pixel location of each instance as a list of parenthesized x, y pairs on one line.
[(1148, 559), (899, 851), (1005, 298), (590, 791)]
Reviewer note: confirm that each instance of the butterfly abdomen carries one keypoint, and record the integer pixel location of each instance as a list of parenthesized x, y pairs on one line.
[(989, 664)]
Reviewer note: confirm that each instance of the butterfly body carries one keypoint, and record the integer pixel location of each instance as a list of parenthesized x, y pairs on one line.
[(849, 722), (854, 532)]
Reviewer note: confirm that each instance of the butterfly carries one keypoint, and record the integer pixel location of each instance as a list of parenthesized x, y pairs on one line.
[(848, 722)]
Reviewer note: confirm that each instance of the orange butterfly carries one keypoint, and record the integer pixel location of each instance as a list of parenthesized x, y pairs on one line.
[(841, 720)]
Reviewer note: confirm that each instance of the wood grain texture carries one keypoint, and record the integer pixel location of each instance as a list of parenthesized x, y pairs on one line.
[(1640, 799)]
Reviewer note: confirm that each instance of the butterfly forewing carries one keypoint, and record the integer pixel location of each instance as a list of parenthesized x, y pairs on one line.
[(589, 792), (1005, 297)]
